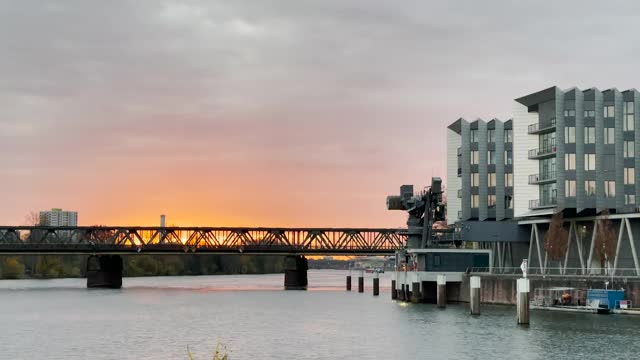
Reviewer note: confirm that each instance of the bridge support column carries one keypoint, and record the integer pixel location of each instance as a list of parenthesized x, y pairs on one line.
[(295, 273), (361, 281), (348, 282), (104, 271)]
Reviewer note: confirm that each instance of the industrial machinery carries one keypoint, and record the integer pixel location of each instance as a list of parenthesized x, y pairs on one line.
[(424, 209)]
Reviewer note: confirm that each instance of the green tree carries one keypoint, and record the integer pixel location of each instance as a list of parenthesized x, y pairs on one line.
[(12, 268)]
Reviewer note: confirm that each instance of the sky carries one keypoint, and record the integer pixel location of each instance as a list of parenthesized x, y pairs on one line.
[(271, 113)]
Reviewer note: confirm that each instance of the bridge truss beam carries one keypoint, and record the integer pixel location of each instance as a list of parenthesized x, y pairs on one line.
[(120, 239)]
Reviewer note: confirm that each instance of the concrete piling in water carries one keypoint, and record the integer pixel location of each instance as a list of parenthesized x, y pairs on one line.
[(474, 296), (401, 293), (348, 282), (415, 292), (361, 281), (394, 292), (523, 301), (407, 293), (442, 291), (376, 285)]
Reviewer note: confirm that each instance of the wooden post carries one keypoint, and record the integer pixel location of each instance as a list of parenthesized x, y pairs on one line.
[(348, 282), (361, 281), (474, 298), (376, 284), (394, 292), (415, 292), (523, 301), (442, 291)]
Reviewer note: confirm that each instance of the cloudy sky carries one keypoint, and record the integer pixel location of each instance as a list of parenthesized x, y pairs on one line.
[(290, 113)]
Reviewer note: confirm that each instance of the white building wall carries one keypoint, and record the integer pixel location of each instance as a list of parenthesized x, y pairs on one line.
[(522, 166), (454, 183)]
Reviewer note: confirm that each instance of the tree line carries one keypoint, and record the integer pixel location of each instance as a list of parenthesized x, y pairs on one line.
[(69, 266)]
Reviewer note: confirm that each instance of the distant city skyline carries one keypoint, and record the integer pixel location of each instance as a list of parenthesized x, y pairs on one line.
[(280, 113)]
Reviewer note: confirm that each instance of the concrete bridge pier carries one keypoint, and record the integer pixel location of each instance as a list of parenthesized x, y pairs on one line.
[(104, 271), (295, 273)]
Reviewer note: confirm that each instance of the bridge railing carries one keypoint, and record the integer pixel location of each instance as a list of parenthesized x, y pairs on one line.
[(555, 271)]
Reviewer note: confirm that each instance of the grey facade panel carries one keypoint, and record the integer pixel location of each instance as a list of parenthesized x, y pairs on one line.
[(500, 215), (501, 231), (560, 149), (482, 170), (636, 107), (465, 150), (619, 147), (598, 104), (579, 146)]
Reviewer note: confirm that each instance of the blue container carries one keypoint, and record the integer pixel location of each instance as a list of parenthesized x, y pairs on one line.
[(609, 298)]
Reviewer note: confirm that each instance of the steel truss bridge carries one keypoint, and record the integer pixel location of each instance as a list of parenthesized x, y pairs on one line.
[(230, 240)]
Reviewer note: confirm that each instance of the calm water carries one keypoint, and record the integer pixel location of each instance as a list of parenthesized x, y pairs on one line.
[(157, 318)]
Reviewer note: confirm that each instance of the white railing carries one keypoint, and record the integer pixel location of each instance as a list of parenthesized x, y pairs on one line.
[(555, 271)]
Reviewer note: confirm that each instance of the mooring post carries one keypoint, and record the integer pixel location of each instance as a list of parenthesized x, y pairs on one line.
[(361, 281), (401, 293), (348, 282), (442, 291), (415, 292), (407, 292), (394, 292), (474, 297), (523, 301), (376, 284)]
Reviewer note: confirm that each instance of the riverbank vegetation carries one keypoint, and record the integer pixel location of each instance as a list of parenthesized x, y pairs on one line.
[(64, 266)]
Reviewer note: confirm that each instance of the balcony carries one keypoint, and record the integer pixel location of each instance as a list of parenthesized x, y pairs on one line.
[(542, 203), (542, 153), (543, 178), (535, 129)]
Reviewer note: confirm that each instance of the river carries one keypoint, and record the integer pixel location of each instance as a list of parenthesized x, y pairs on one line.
[(158, 317)]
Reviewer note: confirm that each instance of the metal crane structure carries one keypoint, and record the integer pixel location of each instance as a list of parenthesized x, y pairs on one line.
[(423, 209)]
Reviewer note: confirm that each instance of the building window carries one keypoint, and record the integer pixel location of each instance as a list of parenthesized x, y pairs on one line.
[(610, 188), (508, 202), (474, 135), (475, 201), (589, 135), (629, 199), (570, 188), (570, 135), (491, 201), (629, 176), (491, 178), (491, 157), (609, 111), (474, 157), (589, 113), (628, 124), (570, 112), (491, 135), (629, 149), (569, 161), (508, 179), (508, 157), (609, 136), (590, 187), (508, 136), (589, 161), (475, 179)]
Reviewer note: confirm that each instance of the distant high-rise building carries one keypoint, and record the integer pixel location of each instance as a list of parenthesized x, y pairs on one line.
[(58, 217)]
